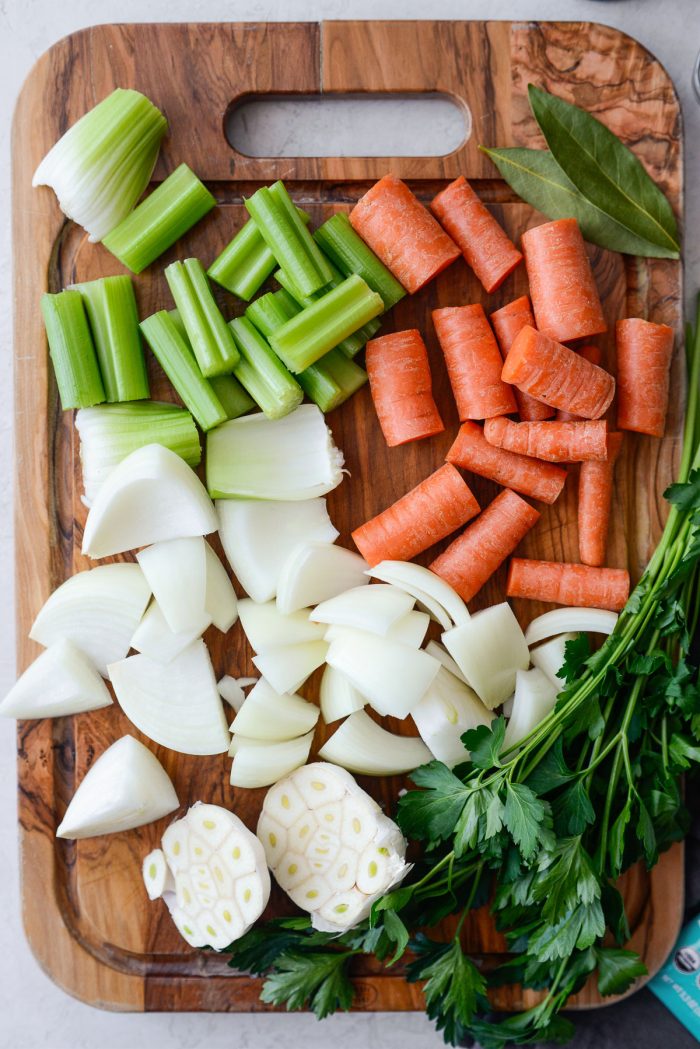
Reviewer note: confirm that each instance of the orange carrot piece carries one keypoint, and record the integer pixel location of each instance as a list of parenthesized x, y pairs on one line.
[(595, 489), (531, 477), (594, 355), (439, 505), (553, 441), (485, 245), (507, 323), (401, 387), (473, 362), (483, 547), (557, 375), (405, 236), (563, 292), (575, 585), (644, 352)]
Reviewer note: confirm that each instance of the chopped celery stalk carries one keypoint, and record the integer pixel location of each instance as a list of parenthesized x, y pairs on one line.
[(359, 339), (350, 346), (175, 357), (288, 238), (287, 459), (262, 373), (246, 262), (233, 398), (347, 250), (320, 386), (72, 350), (271, 311), (171, 209), (110, 432), (320, 327), (110, 305), (209, 335), (348, 376), (102, 165)]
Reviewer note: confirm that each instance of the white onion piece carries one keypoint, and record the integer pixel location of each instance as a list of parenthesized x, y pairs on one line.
[(315, 572), (410, 629), (507, 708), (157, 876), (244, 682), (267, 714), (371, 608), (151, 496), (534, 698), (258, 537), (418, 582), (245, 741), (287, 667), (231, 691), (175, 704), (261, 766), (363, 746), (489, 649), (97, 610), (577, 620), (221, 880), (176, 572), (60, 681), (266, 627), (434, 648), (549, 658), (220, 601), (126, 787), (447, 710), (154, 638), (338, 696), (329, 845), (392, 676)]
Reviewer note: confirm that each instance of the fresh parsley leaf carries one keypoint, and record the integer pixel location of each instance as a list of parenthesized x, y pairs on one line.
[(616, 846), (569, 879), (259, 949), (686, 496), (485, 744), (455, 989), (572, 809), (683, 751), (397, 933), (467, 829), (431, 814), (524, 815), (617, 969), (552, 771), (576, 651), (319, 978), (579, 927), (646, 834)]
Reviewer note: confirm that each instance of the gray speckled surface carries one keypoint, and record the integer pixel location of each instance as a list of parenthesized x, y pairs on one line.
[(34, 1012)]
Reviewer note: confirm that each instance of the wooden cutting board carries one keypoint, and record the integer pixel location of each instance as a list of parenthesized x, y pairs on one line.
[(85, 912)]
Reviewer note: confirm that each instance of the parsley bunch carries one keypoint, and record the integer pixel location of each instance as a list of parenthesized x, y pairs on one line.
[(543, 829)]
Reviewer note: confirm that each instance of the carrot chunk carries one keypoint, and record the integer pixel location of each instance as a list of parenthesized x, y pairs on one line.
[(593, 355), (507, 323), (483, 547), (401, 387), (473, 361), (439, 505), (553, 441), (644, 352), (405, 236), (563, 292), (576, 585), (531, 477), (485, 245), (557, 375), (595, 490)]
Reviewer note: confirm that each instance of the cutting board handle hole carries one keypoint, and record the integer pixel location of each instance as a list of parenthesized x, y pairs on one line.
[(348, 125)]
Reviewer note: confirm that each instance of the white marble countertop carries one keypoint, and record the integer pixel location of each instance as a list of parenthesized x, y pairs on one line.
[(34, 1011)]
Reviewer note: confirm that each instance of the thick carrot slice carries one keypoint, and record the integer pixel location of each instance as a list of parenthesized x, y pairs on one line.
[(473, 362), (644, 352), (563, 292), (531, 477), (483, 547), (557, 375), (485, 245), (595, 489), (403, 233), (439, 505), (576, 585), (594, 355), (507, 323), (553, 441), (401, 386)]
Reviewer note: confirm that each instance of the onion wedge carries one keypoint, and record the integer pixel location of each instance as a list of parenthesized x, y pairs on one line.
[(338, 696), (266, 714), (154, 638), (575, 620), (220, 601), (363, 746), (371, 608), (260, 766), (392, 676), (534, 698), (60, 681), (176, 572), (126, 787), (287, 667), (418, 582), (447, 710), (231, 691), (433, 648), (266, 627), (152, 495), (489, 649), (315, 572), (549, 658)]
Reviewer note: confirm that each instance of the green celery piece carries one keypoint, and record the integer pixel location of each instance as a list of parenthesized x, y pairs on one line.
[(246, 262), (355, 342), (349, 376), (271, 311), (349, 253), (262, 373), (320, 386), (110, 305), (71, 349), (162, 218), (326, 322), (167, 339), (209, 335), (288, 238), (234, 399)]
